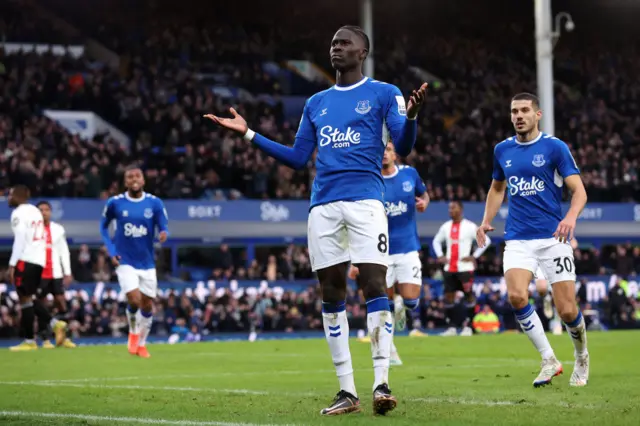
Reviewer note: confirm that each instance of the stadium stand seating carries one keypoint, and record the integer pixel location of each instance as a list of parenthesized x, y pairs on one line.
[(171, 61)]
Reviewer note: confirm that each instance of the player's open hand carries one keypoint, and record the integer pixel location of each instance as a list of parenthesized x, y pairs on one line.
[(237, 123), (421, 204), (416, 100), (115, 260), (481, 234), (565, 230), (162, 237), (353, 272)]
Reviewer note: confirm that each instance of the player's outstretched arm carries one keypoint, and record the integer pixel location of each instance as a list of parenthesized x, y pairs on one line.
[(404, 129), (567, 226), (296, 157), (495, 197)]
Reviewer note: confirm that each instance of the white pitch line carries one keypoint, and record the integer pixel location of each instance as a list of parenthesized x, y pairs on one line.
[(429, 400), (160, 388), (110, 419)]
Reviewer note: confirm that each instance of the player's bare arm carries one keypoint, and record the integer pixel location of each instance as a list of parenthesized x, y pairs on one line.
[(422, 202), (416, 100), (295, 157), (495, 197), (566, 227)]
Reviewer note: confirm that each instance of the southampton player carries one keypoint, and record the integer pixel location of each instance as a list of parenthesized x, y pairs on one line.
[(533, 166), (349, 124), (137, 215), (459, 234), (26, 264), (55, 276), (404, 194)]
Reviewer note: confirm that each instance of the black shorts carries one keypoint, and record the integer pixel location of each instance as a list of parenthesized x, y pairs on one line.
[(458, 281), (27, 278), (51, 286)]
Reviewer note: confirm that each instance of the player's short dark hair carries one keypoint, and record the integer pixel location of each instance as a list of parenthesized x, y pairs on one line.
[(132, 168), (459, 203), (21, 191), (359, 32), (43, 203), (524, 96)]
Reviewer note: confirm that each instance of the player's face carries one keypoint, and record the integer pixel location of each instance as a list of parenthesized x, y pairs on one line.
[(389, 157), (134, 180), (454, 210), (524, 116), (347, 50), (46, 212)]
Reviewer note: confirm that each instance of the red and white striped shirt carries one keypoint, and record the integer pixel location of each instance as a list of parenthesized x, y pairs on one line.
[(459, 237)]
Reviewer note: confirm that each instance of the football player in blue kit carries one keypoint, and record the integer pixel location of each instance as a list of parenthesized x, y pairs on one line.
[(532, 167), (138, 215), (349, 124), (405, 194)]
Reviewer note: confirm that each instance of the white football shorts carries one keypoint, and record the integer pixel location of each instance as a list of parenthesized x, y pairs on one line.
[(404, 268), (130, 279), (343, 231), (553, 258)]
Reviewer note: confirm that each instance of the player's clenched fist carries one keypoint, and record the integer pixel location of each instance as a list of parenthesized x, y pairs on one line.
[(353, 272), (421, 204), (481, 234)]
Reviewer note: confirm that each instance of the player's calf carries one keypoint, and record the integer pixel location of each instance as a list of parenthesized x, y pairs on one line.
[(372, 280), (517, 285), (336, 327), (564, 298), (145, 320), (133, 303)]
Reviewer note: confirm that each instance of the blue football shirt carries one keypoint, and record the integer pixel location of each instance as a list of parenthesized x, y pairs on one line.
[(351, 126), (401, 189), (535, 173), (136, 224)]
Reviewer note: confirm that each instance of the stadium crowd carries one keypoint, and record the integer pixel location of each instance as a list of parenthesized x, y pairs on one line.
[(162, 89), (171, 62)]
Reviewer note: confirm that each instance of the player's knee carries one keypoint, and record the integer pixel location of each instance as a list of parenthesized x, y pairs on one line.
[(518, 299), (567, 310), (133, 299), (373, 280), (146, 304), (333, 283)]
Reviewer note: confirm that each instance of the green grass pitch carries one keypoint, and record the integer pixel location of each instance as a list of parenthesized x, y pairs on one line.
[(482, 380)]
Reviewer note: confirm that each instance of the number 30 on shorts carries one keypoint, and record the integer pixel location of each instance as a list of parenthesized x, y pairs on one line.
[(563, 264), (382, 243)]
